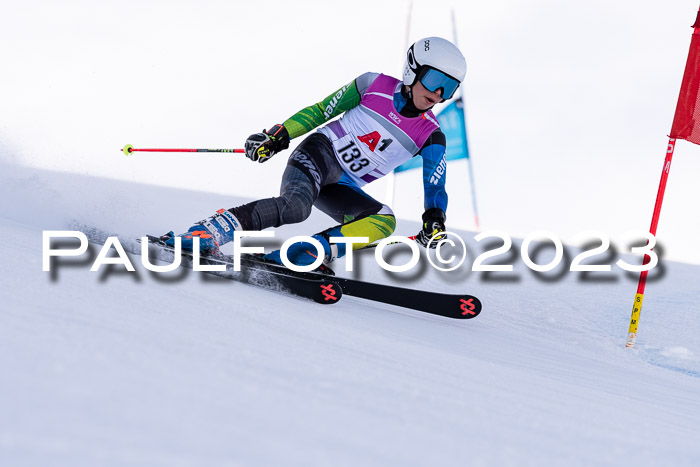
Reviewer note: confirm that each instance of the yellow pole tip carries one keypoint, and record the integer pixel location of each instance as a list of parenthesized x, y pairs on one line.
[(127, 149)]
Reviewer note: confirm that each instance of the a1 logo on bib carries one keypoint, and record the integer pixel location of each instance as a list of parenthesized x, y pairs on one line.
[(373, 139)]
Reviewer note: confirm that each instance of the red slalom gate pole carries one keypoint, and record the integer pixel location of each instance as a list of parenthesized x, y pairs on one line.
[(639, 297), (686, 125), (128, 149)]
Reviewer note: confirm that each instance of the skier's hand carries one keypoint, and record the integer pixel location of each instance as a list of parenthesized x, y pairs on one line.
[(260, 147), (433, 227)]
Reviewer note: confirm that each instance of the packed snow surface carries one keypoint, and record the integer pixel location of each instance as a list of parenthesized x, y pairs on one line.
[(185, 369)]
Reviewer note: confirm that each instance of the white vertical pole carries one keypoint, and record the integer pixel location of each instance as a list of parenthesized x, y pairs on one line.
[(391, 178), (469, 158)]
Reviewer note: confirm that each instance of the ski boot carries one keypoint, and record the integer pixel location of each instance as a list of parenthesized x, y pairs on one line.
[(212, 232)]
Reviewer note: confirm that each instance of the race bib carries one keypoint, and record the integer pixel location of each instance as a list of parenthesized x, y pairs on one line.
[(352, 156)]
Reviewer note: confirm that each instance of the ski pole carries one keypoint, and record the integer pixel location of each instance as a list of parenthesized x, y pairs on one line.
[(128, 149)]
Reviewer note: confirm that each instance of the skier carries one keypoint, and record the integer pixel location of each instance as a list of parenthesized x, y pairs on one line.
[(384, 123)]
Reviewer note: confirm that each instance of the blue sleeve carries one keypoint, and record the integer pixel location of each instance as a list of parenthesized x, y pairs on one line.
[(434, 171)]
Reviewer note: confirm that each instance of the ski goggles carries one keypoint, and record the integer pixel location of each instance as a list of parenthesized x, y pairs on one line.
[(432, 80)]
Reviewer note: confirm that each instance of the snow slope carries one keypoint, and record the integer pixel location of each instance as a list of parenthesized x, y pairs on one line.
[(116, 368)]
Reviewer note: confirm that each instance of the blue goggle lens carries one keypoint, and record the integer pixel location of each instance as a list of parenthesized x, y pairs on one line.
[(433, 80)]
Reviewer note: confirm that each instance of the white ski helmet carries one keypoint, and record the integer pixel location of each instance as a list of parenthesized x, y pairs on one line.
[(439, 54)]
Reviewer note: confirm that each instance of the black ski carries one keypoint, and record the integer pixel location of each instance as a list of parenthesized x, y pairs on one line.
[(322, 288), (457, 306), (318, 289)]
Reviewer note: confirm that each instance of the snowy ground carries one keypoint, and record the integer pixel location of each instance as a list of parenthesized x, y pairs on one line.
[(115, 368)]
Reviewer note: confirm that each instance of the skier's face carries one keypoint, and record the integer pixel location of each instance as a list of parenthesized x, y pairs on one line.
[(424, 99)]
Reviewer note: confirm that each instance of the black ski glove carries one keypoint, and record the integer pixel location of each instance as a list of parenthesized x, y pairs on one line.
[(433, 226), (260, 147)]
